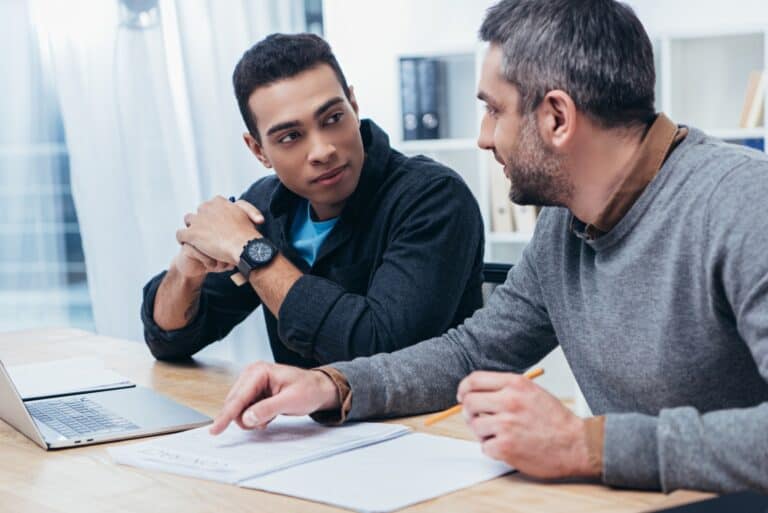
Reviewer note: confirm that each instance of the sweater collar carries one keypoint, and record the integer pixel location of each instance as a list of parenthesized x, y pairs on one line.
[(662, 137)]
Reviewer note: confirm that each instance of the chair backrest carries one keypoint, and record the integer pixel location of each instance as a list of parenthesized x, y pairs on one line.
[(494, 273)]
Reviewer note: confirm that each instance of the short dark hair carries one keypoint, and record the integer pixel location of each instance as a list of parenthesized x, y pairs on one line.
[(276, 57), (597, 51)]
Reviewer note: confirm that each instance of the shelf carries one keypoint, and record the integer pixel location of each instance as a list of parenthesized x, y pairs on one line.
[(509, 237), (737, 133), (704, 79), (430, 145)]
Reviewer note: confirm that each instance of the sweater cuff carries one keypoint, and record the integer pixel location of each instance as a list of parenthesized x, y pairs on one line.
[(630, 453), (304, 310), (344, 394)]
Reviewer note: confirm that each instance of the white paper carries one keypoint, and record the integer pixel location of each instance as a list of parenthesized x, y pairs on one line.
[(68, 376), (236, 454), (386, 476)]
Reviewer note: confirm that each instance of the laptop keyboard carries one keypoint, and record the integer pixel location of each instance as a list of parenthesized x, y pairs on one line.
[(78, 416)]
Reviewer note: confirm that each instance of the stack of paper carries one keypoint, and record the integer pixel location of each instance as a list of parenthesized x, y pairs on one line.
[(236, 455), (362, 466), (387, 476)]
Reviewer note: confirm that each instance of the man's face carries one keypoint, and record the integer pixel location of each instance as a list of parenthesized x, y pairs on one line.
[(536, 173), (310, 135)]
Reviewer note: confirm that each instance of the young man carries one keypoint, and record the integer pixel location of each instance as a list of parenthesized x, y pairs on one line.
[(649, 269), (352, 248)]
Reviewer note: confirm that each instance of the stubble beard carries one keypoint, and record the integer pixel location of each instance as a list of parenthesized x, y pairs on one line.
[(537, 174)]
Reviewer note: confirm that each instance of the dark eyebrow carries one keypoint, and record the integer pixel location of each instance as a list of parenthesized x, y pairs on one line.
[(482, 96), (282, 126), (327, 105), (318, 112)]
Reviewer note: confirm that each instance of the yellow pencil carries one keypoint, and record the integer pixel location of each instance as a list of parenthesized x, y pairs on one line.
[(453, 410)]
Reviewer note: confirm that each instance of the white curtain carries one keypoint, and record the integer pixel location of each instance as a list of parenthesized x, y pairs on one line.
[(153, 129), (33, 230)]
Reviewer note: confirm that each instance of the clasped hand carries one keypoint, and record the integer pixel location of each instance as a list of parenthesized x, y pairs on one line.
[(215, 235)]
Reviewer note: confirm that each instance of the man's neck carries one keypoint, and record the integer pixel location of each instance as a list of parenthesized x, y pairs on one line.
[(318, 212), (598, 168)]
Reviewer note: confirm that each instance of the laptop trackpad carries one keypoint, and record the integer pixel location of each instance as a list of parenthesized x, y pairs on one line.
[(146, 408)]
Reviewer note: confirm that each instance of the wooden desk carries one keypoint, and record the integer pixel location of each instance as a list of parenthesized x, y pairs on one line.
[(85, 479)]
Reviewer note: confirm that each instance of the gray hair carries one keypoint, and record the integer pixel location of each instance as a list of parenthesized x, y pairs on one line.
[(597, 51)]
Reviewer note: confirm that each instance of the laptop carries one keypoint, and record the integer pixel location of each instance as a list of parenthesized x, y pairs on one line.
[(74, 419)]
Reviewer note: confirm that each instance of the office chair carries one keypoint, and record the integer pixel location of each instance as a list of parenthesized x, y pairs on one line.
[(494, 273)]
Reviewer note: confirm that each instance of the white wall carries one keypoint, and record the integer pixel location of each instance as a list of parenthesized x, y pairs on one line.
[(367, 37), (663, 16)]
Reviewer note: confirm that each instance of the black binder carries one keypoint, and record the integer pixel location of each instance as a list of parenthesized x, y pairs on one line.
[(430, 97), (409, 98)]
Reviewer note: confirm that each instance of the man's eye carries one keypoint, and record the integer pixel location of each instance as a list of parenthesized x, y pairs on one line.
[(490, 110), (289, 137), (334, 118)]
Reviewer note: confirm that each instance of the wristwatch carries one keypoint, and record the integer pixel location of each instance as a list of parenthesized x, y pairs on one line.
[(257, 253)]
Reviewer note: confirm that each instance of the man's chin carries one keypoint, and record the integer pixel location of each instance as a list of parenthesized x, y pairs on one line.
[(519, 197)]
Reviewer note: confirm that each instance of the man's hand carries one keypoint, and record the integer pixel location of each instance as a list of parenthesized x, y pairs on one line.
[(220, 229), (521, 424), (264, 391), (193, 265)]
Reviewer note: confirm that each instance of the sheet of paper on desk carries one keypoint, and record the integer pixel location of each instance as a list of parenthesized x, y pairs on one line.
[(236, 454), (386, 476), (72, 375)]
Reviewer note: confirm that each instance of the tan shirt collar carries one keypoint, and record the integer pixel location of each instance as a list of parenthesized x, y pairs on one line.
[(662, 137)]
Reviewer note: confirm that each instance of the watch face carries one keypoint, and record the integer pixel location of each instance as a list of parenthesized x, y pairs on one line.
[(260, 252)]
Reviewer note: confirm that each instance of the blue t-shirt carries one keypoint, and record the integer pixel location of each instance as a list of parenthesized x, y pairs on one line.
[(307, 235)]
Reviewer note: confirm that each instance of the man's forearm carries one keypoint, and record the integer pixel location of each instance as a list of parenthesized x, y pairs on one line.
[(273, 282), (177, 300)]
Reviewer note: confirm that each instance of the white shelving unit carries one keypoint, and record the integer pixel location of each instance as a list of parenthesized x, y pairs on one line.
[(457, 147), (702, 78)]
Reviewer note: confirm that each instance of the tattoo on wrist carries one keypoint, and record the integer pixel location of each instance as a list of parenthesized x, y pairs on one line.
[(194, 306)]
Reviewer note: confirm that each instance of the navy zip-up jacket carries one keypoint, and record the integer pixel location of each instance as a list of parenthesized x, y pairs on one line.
[(402, 264)]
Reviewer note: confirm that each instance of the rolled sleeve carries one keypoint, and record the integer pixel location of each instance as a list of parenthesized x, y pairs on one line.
[(222, 306), (174, 343), (305, 310)]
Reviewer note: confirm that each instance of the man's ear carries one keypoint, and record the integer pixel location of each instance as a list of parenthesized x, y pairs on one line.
[(556, 116), (353, 102), (256, 149)]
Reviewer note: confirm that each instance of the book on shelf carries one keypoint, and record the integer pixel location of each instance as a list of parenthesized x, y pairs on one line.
[(501, 207), (422, 98), (430, 92), (409, 100), (525, 218), (508, 217), (754, 100)]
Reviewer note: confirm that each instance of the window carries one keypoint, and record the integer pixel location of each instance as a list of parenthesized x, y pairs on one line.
[(42, 269)]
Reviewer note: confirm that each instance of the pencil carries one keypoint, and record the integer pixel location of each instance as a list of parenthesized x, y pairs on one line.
[(453, 410)]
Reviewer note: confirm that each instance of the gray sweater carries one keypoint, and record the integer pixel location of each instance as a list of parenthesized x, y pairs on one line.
[(664, 321)]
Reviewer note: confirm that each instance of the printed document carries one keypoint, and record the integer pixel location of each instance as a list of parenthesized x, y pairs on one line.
[(387, 476), (361, 466), (236, 454)]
